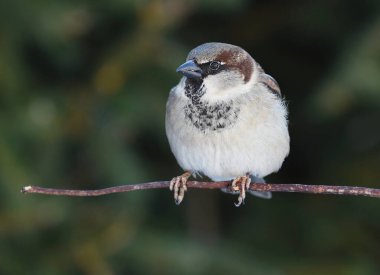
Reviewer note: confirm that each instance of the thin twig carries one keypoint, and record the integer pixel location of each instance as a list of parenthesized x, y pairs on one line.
[(299, 188)]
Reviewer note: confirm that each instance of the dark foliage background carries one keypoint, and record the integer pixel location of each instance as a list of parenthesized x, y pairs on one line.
[(83, 87)]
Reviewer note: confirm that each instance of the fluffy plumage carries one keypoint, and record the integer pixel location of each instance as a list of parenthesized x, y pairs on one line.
[(226, 117)]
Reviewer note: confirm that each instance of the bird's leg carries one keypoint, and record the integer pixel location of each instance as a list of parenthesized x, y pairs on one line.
[(178, 184), (241, 184)]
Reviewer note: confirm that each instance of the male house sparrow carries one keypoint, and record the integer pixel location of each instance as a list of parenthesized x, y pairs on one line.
[(226, 119)]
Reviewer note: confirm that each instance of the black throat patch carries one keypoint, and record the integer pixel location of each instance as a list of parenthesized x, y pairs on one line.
[(205, 116), (194, 89)]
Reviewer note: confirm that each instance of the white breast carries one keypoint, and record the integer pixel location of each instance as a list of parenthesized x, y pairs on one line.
[(258, 142)]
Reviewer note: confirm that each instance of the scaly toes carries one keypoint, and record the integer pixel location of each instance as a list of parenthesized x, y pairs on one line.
[(241, 197), (241, 184), (179, 187), (180, 196), (234, 185), (176, 187), (240, 201), (248, 183), (171, 185)]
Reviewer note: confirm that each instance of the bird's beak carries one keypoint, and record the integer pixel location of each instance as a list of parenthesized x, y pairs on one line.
[(190, 69)]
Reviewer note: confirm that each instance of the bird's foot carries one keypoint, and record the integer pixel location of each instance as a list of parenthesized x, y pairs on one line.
[(241, 185), (178, 184)]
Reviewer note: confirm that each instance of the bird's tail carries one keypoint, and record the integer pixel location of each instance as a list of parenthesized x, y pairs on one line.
[(263, 195), (254, 179)]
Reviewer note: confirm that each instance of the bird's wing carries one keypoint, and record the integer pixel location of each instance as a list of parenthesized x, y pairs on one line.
[(269, 82)]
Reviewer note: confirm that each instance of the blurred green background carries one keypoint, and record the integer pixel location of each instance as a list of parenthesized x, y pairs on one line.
[(83, 87)]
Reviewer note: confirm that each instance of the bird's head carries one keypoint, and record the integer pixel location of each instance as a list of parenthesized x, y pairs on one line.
[(223, 70)]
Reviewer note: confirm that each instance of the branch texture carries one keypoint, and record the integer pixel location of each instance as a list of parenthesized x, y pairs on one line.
[(298, 188)]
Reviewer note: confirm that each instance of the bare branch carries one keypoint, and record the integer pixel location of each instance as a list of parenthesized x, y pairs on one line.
[(299, 188)]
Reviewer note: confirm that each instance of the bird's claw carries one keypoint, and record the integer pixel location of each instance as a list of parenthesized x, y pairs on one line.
[(241, 185), (178, 184)]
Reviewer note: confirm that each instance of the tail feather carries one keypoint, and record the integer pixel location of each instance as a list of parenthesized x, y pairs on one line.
[(254, 179), (262, 195)]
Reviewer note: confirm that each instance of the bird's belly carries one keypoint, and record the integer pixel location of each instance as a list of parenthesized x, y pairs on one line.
[(221, 155)]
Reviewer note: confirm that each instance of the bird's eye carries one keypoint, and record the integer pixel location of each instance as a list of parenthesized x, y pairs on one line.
[(214, 65)]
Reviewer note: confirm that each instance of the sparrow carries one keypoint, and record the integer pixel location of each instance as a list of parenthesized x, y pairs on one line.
[(226, 119)]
